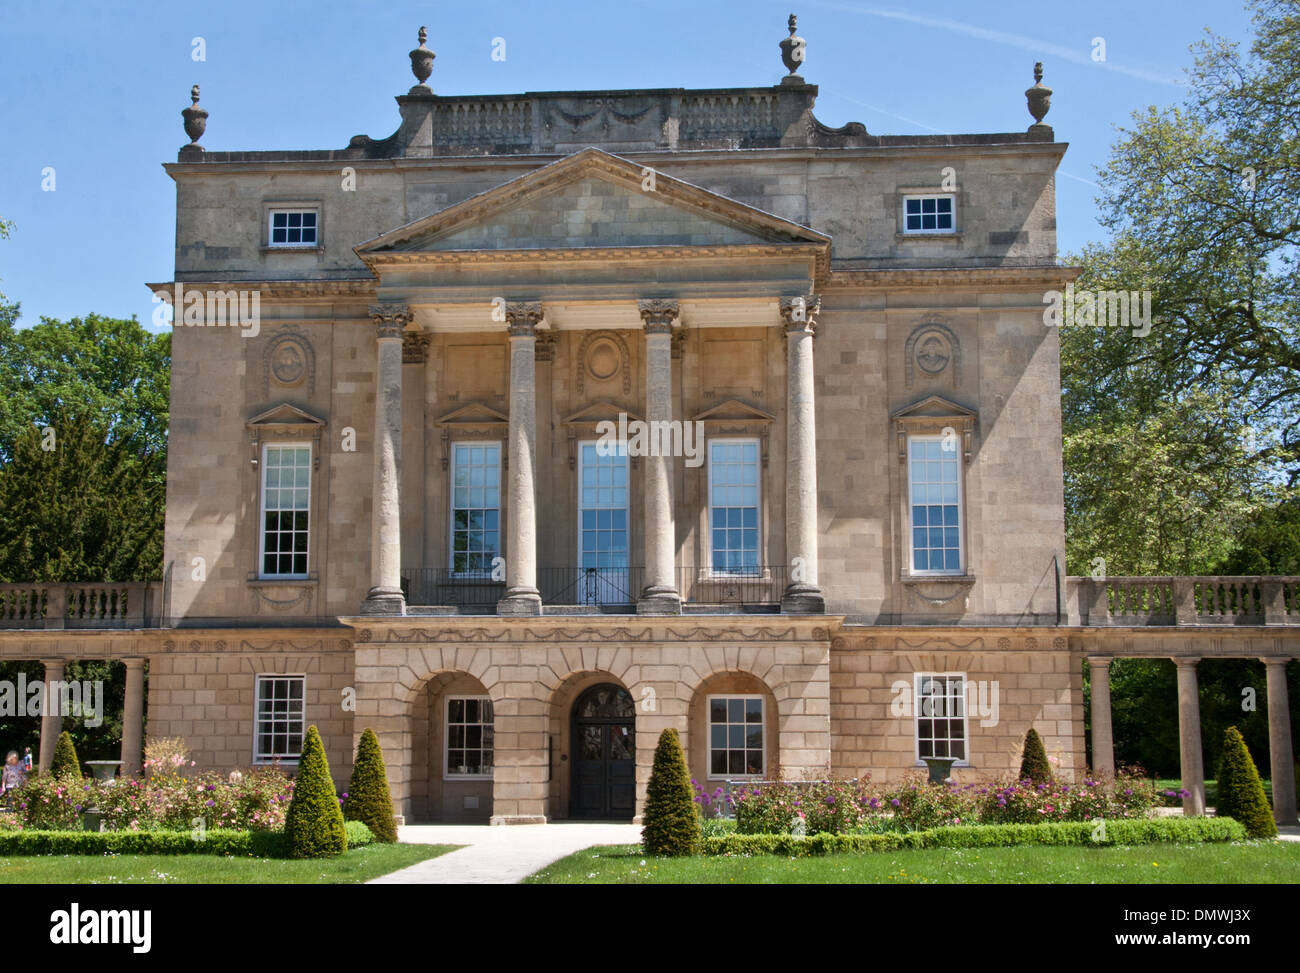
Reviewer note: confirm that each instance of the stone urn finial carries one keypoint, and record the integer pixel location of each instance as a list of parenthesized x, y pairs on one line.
[(196, 118), (1040, 99), (792, 52), (422, 61)]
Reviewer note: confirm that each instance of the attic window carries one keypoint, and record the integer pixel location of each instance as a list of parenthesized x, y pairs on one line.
[(928, 214), (293, 228)]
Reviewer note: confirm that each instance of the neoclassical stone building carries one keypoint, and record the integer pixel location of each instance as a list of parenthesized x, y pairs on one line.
[(556, 419)]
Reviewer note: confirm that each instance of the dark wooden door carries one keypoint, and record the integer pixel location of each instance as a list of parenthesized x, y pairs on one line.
[(604, 754)]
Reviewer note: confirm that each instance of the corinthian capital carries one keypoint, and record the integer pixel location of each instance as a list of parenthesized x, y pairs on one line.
[(390, 318), (658, 315), (522, 318), (800, 314)]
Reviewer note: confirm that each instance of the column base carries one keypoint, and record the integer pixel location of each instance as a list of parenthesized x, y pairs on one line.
[(520, 601), (655, 601), (384, 601), (803, 599)]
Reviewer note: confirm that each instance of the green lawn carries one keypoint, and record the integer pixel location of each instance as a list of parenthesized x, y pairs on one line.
[(357, 865), (1263, 862)]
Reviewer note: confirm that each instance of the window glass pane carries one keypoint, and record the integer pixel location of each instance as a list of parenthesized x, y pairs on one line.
[(734, 500), (279, 717), (475, 511), (285, 512), (736, 736), (934, 487), (470, 736)]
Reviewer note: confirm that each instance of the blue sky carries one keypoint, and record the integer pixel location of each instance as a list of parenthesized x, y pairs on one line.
[(95, 92)]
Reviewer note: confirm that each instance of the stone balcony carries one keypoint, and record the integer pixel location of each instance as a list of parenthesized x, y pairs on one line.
[(1216, 600), (81, 605)]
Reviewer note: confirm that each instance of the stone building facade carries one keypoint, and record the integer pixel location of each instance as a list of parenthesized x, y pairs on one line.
[(392, 500)]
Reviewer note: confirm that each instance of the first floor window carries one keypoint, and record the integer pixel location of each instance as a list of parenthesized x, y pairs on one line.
[(934, 487), (941, 716), (733, 505), (475, 508), (293, 228), (736, 736), (279, 713), (469, 736), (286, 504), (928, 214)]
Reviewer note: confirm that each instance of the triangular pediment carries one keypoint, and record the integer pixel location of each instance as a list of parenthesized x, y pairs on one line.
[(733, 410), (934, 407), (285, 414), (602, 410), (592, 199), (473, 413)]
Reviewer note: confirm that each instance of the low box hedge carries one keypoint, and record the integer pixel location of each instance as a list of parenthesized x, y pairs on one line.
[(1144, 832), (259, 844)]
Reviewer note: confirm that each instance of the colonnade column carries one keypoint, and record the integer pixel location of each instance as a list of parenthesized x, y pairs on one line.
[(660, 595), (132, 755), (802, 594), (51, 711), (1189, 737), (522, 596), (1103, 743), (1281, 758), (385, 596)]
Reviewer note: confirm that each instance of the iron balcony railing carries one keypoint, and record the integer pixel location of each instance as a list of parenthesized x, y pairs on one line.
[(606, 589)]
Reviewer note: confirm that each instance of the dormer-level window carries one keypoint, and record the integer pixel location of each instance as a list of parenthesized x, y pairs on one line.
[(293, 228), (928, 214)]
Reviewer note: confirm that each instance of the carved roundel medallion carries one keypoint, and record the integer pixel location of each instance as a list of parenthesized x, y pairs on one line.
[(604, 359), (289, 360), (932, 355)]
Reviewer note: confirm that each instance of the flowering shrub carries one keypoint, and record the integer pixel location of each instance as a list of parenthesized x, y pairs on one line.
[(712, 804), (845, 807), (832, 806), (255, 801), (166, 756)]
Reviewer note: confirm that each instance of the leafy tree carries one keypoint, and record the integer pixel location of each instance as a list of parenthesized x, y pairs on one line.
[(368, 799), (671, 821), (88, 509), (1241, 794), (313, 825), (1033, 760), (104, 366)]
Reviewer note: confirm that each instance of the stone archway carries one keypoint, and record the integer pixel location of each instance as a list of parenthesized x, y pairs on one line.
[(602, 757), (452, 750)]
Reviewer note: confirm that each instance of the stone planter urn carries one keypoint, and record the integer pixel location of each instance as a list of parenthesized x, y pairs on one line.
[(196, 118), (940, 768), (92, 819)]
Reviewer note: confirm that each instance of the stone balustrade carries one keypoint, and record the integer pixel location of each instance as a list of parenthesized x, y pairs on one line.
[(1207, 600), (91, 605)]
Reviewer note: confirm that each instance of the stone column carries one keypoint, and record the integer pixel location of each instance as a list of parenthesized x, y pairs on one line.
[(133, 719), (1281, 758), (1189, 737), (522, 596), (385, 596), (1103, 744), (660, 595), (802, 593), (51, 711)]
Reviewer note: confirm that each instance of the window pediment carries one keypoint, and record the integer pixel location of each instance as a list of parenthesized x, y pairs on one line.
[(934, 414)]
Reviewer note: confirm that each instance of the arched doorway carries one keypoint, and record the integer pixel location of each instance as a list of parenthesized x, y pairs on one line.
[(604, 754)]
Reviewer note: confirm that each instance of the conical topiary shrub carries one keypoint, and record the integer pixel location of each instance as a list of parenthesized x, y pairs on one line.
[(671, 823), (368, 800), (65, 757), (1241, 793), (1033, 761), (313, 825)]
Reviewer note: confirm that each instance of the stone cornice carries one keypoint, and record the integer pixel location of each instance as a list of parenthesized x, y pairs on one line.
[(888, 279), (631, 628), (360, 290)]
